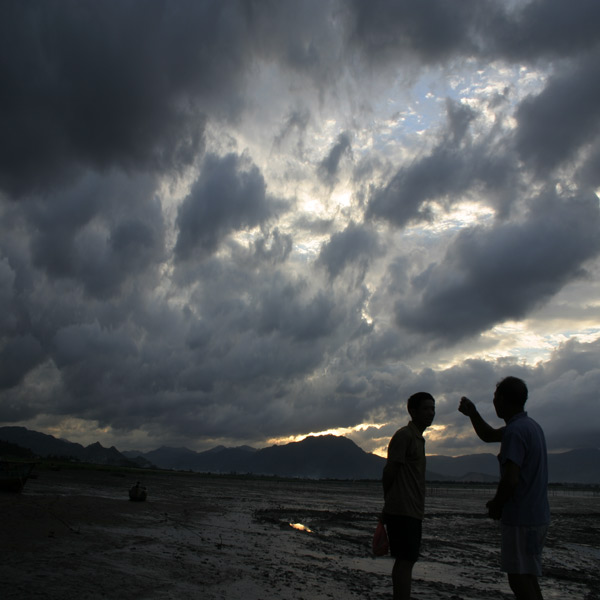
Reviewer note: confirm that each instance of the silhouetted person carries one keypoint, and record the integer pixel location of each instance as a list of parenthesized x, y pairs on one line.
[(404, 491), (521, 500)]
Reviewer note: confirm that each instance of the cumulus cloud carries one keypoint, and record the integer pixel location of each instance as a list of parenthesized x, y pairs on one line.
[(491, 274), (224, 222), (102, 232), (19, 356), (227, 196), (429, 31), (564, 117), (356, 245), (567, 398), (105, 85), (331, 163), (455, 168), (531, 30), (562, 398)]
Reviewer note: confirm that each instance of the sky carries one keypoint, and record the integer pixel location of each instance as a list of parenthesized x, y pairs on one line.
[(245, 222)]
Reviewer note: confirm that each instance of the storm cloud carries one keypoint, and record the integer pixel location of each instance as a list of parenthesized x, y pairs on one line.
[(239, 223), (502, 272)]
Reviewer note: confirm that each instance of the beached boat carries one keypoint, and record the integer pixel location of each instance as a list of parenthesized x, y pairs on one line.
[(137, 493), (14, 474)]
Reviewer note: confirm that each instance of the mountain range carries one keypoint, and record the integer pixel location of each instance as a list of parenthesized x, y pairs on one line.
[(47, 446), (322, 457)]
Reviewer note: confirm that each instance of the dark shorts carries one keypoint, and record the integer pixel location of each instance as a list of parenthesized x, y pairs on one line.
[(404, 534), (521, 549)]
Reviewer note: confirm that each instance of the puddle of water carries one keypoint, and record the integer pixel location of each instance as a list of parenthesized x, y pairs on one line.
[(300, 527)]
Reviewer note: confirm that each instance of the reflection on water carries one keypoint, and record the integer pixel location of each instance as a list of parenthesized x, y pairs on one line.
[(300, 527)]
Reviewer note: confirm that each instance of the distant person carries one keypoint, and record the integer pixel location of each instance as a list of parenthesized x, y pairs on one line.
[(404, 491), (521, 500)]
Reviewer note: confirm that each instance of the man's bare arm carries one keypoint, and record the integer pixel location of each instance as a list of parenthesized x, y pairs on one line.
[(485, 431)]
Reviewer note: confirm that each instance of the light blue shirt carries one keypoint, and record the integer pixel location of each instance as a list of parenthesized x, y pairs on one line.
[(524, 444)]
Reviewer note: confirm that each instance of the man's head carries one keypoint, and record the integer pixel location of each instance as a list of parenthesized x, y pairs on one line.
[(510, 396), (421, 407)]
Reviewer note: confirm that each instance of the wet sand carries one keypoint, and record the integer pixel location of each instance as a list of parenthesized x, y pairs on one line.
[(74, 534)]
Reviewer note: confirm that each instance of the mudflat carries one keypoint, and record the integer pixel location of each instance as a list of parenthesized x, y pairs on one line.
[(74, 534)]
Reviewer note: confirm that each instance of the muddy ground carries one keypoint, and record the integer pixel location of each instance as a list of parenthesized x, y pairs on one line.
[(74, 534)]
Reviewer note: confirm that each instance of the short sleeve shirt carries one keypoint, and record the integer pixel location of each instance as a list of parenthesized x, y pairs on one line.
[(404, 473), (524, 444)]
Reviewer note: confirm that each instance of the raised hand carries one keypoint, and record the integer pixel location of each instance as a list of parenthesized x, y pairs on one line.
[(466, 407)]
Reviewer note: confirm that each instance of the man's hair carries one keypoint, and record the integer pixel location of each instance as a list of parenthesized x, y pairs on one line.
[(513, 390), (416, 399)]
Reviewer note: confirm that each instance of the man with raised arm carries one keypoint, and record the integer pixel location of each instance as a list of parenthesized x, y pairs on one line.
[(521, 500)]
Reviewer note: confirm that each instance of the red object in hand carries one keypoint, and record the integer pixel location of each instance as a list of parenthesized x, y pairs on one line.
[(381, 545)]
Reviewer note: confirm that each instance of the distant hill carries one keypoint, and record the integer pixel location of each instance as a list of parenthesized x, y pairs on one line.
[(324, 457), (575, 466), (45, 445), (339, 458), (180, 459), (482, 466), (315, 457)]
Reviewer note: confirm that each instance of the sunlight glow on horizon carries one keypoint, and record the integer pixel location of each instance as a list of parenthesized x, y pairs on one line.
[(339, 431), (381, 451)]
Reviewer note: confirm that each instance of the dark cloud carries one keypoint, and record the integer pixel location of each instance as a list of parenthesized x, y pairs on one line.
[(100, 233), (92, 85), (435, 31), (282, 311), (235, 314), (329, 166), (454, 167), (73, 257), (589, 174), (293, 128), (18, 357), (356, 245), (431, 31), (230, 194), (559, 121), (566, 396), (401, 200), (491, 274), (112, 84), (541, 28), (226, 363), (8, 320), (459, 119), (562, 397), (90, 356), (299, 36)]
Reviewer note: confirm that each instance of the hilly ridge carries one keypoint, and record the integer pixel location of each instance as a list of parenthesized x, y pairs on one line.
[(44, 445), (315, 457)]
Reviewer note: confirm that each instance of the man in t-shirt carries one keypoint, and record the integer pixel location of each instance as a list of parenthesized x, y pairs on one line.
[(404, 491), (521, 500)]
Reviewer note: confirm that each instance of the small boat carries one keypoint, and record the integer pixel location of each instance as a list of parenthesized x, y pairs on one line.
[(14, 474), (137, 493)]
